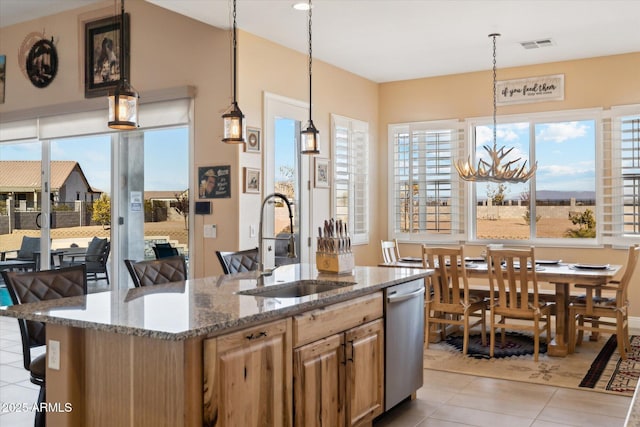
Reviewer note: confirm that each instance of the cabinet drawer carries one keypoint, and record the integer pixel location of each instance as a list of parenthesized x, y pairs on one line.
[(322, 322)]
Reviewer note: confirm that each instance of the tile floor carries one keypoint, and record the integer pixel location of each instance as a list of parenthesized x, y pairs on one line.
[(444, 400)]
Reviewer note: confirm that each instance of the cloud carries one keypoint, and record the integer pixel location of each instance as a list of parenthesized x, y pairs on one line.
[(561, 132), (580, 168)]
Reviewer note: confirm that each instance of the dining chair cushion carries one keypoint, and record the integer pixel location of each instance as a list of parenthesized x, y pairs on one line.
[(597, 301)]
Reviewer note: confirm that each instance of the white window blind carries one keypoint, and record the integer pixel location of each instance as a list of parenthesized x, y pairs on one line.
[(426, 199), (351, 175), (621, 177)]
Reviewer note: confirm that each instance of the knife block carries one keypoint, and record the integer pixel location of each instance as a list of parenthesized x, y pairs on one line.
[(337, 263)]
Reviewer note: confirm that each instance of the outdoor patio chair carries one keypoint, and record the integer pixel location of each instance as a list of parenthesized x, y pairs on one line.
[(27, 252), (164, 250), (35, 286), (95, 258)]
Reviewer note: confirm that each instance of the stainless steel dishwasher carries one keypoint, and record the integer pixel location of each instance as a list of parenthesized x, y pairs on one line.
[(404, 335)]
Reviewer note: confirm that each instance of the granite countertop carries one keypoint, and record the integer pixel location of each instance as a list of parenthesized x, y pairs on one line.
[(207, 306)]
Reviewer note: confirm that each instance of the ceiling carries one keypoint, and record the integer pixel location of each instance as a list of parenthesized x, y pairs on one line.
[(389, 40)]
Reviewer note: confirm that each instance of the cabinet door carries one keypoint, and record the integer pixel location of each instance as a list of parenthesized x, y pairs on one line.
[(318, 383), (254, 375), (365, 373)]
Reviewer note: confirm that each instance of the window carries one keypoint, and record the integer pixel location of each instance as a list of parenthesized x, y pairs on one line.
[(426, 198), (351, 175), (564, 187), (621, 177), (563, 205)]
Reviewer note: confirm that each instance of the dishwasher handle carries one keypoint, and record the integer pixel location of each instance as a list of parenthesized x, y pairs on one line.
[(394, 298)]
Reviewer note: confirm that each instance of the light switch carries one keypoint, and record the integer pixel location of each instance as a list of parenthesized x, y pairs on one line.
[(252, 230)]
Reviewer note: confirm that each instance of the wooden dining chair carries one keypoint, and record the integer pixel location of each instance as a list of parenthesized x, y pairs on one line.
[(36, 286), (450, 301), (513, 296), (390, 251), (157, 271), (591, 307)]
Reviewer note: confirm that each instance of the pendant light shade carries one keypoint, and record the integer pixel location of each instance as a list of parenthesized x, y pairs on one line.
[(310, 137), (123, 99), (235, 127), (496, 171)]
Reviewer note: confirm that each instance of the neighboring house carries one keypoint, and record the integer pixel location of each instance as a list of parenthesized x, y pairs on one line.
[(20, 179)]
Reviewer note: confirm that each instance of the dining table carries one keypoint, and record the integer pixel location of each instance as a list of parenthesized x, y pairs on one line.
[(560, 274)]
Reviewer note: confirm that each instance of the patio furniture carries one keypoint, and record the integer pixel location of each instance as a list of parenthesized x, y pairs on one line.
[(95, 258), (164, 250), (27, 251)]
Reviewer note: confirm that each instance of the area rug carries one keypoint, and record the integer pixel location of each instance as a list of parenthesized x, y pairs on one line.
[(565, 372), (516, 344), (610, 372)]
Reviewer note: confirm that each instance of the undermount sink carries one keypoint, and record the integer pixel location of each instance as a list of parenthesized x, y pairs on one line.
[(296, 289)]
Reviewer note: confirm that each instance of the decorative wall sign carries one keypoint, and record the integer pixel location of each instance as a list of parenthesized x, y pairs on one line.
[(42, 63), (26, 45), (102, 55), (214, 182), (3, 76), (533, 89)]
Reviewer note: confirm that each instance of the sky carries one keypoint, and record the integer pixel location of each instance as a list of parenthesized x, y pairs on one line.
[(565, 152), (166, 158)]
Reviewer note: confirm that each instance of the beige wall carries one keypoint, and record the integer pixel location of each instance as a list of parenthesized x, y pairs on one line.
[(590, 83)]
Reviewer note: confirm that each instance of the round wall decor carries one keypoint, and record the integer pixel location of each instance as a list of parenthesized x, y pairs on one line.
[(42, 63)]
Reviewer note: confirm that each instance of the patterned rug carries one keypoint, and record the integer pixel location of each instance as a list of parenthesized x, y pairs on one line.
[(516, 344), (610, 372), (556, 371)]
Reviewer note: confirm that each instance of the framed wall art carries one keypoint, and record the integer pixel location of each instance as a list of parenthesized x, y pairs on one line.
[(214, 182), (321, 172), (102, 66), (253, 145), (251, 180), (3, 76)]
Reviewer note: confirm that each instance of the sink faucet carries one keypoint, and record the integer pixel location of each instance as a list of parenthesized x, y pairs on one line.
[(291, 248)]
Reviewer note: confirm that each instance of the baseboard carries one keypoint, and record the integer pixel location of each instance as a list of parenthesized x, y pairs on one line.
[(634, 322)]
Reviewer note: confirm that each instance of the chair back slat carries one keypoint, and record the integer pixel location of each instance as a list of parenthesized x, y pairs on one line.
[(449, 282), (390, 251), (512, 276)]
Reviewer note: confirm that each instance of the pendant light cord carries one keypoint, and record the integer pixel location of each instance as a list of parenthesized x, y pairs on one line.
[(495, 96), (233, 42), (122, 65), (310, 61)]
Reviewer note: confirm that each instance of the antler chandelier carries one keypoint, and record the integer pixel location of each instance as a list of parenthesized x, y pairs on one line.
[(495, 171)]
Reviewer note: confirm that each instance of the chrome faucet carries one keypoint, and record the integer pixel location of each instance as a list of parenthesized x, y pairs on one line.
[(291, 248)]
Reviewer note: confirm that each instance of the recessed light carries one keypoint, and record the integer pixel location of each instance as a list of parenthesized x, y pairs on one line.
[(301, 6)]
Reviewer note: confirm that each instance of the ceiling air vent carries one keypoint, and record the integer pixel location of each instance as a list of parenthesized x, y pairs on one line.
[(534, 44)]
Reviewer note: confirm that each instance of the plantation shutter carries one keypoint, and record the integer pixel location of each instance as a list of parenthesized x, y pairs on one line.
[(426, 196), (621, 176), (351, 175)]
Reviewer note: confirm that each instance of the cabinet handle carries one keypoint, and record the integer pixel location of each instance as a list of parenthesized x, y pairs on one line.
[(256, 336)]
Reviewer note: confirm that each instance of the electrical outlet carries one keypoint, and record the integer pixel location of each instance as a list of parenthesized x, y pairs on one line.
[(53, 353)]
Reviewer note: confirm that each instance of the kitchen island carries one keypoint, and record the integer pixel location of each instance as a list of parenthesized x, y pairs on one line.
[(212, 351)]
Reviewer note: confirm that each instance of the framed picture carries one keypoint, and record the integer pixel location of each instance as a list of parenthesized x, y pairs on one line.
[(321, 172), (102, 66), (253, 144), (214, 182), (251, 180)]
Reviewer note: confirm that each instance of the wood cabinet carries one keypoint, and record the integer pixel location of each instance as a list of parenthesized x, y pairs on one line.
[(339, 380), (248, 377)]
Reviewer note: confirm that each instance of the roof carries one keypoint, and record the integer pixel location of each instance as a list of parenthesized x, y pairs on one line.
[(24, 175), (162, 195)]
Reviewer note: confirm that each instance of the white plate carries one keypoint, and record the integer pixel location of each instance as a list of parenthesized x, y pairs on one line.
[(548, 261)]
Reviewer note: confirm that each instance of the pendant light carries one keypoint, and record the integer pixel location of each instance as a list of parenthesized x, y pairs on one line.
[(235, 128), (123, 99), (310, 137), (510, 172)]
